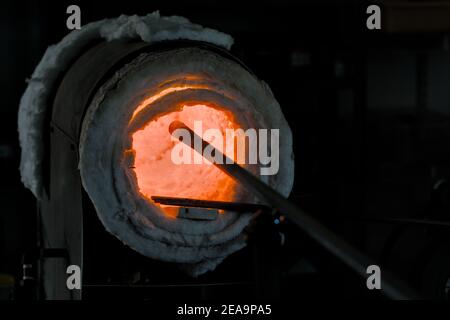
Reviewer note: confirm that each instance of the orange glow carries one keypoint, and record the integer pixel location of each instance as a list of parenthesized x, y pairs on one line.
[(156, 173), (164, 92)]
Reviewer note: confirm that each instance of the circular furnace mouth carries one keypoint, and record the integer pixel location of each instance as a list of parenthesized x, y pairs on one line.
[(158, 175), (125, 152)]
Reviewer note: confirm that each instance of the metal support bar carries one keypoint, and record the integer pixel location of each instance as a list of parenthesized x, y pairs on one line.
[(221, 205)]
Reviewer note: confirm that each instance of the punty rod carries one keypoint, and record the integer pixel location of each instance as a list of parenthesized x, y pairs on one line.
[(390, 285)]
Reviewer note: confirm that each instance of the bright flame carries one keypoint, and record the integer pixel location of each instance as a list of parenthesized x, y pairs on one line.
[(156, 173), (164, 92)]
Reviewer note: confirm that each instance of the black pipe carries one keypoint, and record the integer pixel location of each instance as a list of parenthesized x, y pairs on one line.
[(337, 246)]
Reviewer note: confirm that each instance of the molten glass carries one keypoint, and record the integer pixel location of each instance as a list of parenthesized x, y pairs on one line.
[(158, 175)]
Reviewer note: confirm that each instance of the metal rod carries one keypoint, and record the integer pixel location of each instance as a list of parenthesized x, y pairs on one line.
[(221, 205), (391, 286)]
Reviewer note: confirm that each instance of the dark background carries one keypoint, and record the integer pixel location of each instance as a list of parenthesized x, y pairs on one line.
[(369, 111)]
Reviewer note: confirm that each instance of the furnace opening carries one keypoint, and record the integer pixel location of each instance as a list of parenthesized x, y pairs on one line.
[(158, 175), (125, 152)]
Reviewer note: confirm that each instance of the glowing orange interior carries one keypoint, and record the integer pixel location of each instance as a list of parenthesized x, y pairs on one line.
[(164, 92), (158, 175)]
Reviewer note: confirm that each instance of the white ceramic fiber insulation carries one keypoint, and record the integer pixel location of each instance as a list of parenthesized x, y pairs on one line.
[(34, 102)]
